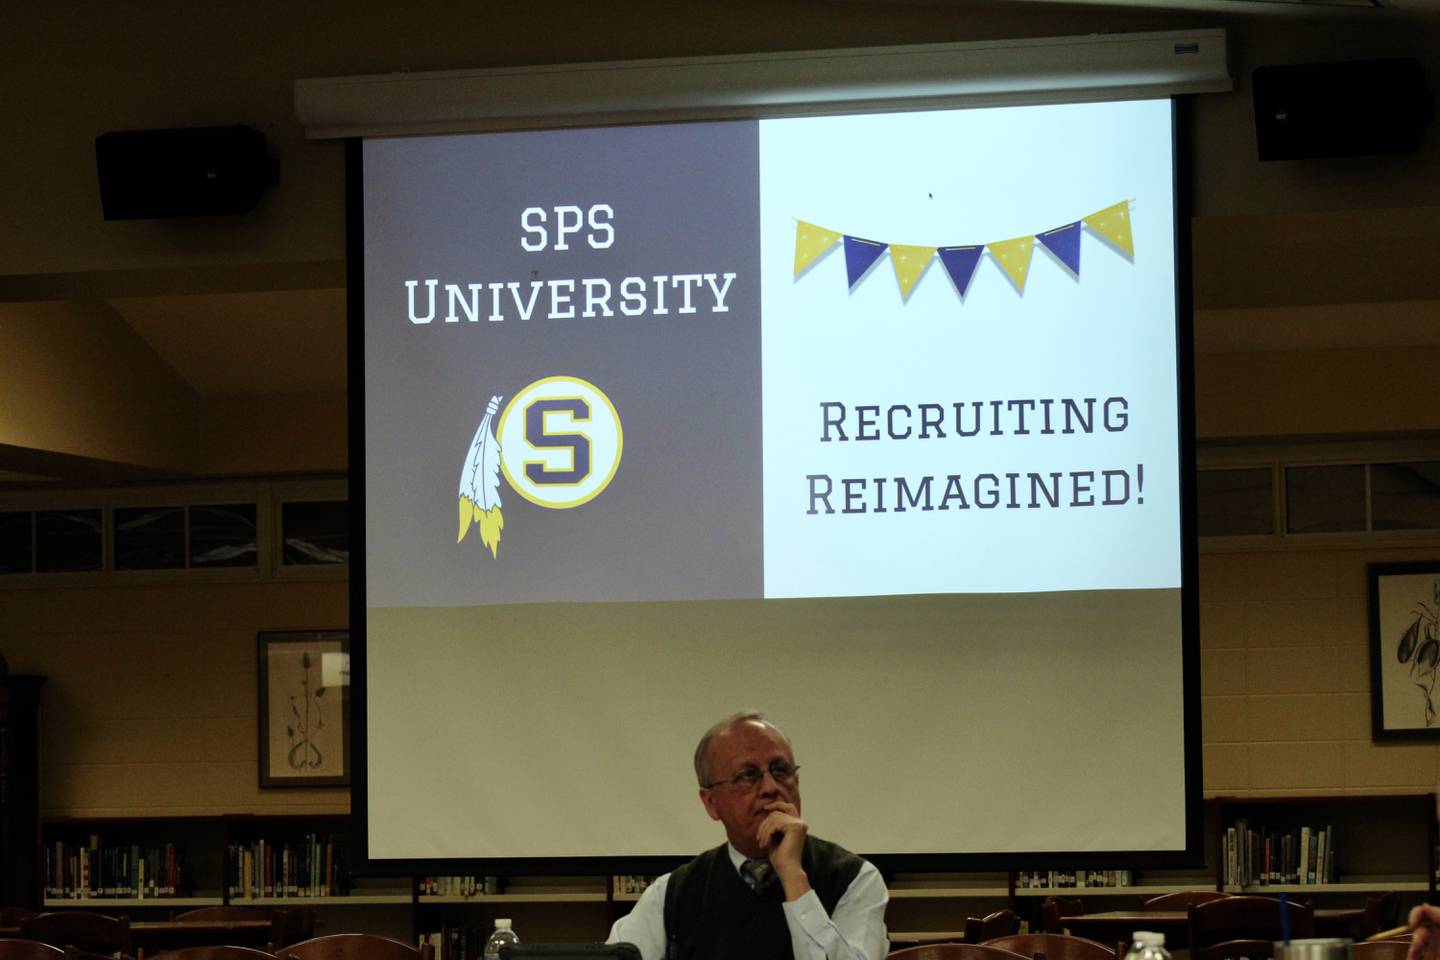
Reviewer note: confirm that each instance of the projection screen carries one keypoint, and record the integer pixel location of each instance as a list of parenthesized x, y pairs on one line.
[(876, 422)]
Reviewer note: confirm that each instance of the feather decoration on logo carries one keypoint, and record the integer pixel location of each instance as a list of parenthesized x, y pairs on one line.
[(480, 483)]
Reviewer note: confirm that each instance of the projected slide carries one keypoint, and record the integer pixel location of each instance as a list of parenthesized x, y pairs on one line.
[(871, 422), (844, 356)]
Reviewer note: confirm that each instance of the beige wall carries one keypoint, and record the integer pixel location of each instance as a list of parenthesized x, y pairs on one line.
[(150, 703), (1285, 674), (79, 383)]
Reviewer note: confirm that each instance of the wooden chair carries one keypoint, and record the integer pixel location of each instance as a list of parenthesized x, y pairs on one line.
[(1001, 923), (1054, 946), (29, 950), (1053, 910), (14, 916), (901, 943), (287, 926), (1182, 900), (228, 952), (291, 925), (1393, 949), (75, 953), (221, 914), (356, 946), (1381, 913), (85, 931), (1245, 949), (260, 937), (954, 951), (1214, 923)]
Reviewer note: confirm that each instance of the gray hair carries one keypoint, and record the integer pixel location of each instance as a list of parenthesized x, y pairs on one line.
[(702, 772)]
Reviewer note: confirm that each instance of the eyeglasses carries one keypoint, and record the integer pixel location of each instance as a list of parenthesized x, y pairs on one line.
[(749, 778)]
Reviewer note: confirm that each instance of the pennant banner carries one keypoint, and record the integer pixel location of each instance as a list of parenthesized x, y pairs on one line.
[(1113, 223), (909, 262), (1064, 242), (960, 263), (859, 255), (810, 242), (1013, 256)]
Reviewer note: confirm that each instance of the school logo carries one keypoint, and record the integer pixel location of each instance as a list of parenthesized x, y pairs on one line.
[(557, 443)]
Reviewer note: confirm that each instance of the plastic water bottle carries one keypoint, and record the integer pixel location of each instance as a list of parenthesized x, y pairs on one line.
[(1147, 945), (502, 935)]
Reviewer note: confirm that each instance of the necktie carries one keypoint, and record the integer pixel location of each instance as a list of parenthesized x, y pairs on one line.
[(757, 874)]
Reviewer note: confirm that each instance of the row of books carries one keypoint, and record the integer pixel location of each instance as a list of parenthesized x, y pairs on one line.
[(628, 883), (95, 870), (457, 943), (489, 886), (1255, 855), (310, 867), (1033, 879), (460, 886)]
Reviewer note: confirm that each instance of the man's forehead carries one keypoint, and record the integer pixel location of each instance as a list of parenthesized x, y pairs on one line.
[(754, 739)]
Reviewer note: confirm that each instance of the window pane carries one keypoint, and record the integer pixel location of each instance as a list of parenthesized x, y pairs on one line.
[(67, 540), (223, 536), (15, 542), (1405, 496), (316, 531), (149, 538), (1324, 499), (1234, 503)]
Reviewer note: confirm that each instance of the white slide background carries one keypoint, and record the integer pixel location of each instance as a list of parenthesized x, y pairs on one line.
[(946, 178)]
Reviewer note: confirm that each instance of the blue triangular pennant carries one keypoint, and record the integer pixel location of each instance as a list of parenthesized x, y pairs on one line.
[(859, 255), (960, 263), (1064, 242)]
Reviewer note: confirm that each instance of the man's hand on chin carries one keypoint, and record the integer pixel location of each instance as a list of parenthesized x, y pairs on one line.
[(782, 836)]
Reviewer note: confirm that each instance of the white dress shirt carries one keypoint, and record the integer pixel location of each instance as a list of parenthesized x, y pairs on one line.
[(855, 932)]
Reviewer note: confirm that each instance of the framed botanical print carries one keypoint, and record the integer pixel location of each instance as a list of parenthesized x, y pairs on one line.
[(304, 708), (1404, 650)]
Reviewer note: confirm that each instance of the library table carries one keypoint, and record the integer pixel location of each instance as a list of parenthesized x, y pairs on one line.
[(1121, 924), (155, 935)]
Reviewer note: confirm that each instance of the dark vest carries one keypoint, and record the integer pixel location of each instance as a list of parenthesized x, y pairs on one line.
[(710, 913)]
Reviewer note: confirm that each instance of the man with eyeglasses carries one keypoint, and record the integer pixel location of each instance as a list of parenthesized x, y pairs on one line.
[(770, 891)]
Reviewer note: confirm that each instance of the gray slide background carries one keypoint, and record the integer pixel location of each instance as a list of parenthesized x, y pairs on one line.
[(682, 517)]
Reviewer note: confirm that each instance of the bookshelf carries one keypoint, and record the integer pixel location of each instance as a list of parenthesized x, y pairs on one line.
[(1381, 843), (1120, 889), (456, 915), (91, 863), (1368, 844), (539, 896), (1141, 884), (299, 860), (1145, 890), (630, 887), (131, 862), (495, 890)]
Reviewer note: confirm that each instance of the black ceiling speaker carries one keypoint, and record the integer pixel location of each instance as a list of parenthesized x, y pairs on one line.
[(200, 172), (1343, 109)]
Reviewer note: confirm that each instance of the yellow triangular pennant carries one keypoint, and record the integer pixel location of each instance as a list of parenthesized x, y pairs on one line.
[(1014, 257), (1113, 223), (909, 262), (810, 242)]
